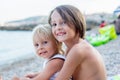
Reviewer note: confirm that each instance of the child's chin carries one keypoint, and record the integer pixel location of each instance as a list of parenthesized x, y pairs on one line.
[(60, 40)]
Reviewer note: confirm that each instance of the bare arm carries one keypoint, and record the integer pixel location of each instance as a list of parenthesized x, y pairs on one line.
[(32, 75), (52, 66), (73, 59)]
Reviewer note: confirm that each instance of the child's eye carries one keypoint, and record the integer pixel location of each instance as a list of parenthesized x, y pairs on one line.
[(45, 42), (53, 25), (36, 45), (63, 22)]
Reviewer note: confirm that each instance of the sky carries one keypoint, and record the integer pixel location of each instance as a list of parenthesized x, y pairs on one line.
[(20, 9)]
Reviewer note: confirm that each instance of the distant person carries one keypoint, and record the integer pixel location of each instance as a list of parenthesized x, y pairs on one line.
[(82, 61), (117, 25), (103, 23), (48, 47)]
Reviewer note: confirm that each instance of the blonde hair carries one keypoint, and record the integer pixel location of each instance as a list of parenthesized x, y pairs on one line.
[(45, 31)]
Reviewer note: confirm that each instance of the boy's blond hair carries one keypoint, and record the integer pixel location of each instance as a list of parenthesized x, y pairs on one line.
[(45, 32)]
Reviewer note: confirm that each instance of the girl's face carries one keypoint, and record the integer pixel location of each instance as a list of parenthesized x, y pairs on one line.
[(60, 29), (45, 48)]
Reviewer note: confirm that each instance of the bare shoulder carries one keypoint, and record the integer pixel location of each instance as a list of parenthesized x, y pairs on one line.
[(82, 47), (78, 50), (50, 68), (56, 62)]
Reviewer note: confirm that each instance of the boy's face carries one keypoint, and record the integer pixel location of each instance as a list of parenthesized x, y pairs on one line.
[(60, 29), (45, 48)]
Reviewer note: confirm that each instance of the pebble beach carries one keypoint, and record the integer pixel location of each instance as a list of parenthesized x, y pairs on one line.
[(109, 51)]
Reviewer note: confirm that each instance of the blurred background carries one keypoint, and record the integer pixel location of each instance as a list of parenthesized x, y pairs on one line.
[(19, 17), (29, 13)]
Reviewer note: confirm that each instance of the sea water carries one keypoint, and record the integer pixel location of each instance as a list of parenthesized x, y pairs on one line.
[(15, 45)]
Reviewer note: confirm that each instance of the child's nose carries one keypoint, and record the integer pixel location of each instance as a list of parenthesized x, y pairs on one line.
[(58, 27), (40, 47)]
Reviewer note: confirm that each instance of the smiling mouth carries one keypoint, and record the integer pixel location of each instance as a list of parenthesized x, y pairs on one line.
[(61, 33), (42, 53)]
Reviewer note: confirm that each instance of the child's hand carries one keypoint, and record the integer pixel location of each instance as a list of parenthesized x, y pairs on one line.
[(30, 75), (22, 78), (15, 78)]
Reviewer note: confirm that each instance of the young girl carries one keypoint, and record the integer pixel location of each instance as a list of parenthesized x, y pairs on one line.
[(82, 61), (48, 47)]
